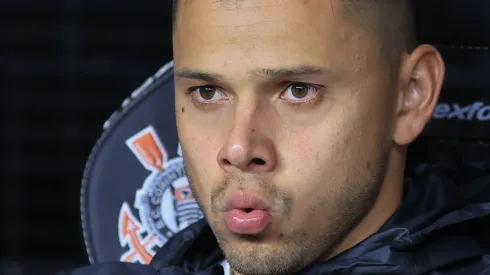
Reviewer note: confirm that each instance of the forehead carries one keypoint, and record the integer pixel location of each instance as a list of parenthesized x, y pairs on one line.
[(268, 33)]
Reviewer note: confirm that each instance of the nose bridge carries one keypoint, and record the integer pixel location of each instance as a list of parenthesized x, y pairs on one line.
[(244, 125), (247, 147)]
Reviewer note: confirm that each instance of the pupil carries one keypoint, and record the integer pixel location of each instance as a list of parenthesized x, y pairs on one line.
[(207, 93), (299, 91)]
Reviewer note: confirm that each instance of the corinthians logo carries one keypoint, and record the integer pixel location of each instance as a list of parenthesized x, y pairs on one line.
[(165, 204)]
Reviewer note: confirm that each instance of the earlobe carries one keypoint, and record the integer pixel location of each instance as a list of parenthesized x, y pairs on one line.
[(422, 75)]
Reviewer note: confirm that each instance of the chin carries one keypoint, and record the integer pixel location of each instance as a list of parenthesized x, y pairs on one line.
[(263, 254)]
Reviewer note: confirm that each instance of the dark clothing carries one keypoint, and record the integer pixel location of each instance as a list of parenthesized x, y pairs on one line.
[(440, 228)]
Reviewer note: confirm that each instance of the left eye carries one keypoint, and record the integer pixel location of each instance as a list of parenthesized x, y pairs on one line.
[(299, 92), (209, 93)]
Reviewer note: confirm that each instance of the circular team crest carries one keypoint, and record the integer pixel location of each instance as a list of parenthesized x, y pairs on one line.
[(165, 202), (135, 194)]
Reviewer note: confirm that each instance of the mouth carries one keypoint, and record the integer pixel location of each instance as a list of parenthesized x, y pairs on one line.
[(246, 214), (246, 202)]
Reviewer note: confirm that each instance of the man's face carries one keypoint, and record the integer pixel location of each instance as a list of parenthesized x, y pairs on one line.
[(284, 114)]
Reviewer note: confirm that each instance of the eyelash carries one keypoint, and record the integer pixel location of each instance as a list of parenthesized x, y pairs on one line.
[(317, 89), (191, 93)]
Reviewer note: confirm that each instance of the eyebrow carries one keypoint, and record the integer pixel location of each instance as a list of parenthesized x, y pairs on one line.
[(302, 70), (198, 75)]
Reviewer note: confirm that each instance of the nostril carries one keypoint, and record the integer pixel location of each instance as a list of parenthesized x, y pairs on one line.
[(258, 161), (226, 162)]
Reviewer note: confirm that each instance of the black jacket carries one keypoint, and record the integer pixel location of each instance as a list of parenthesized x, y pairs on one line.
[(441, 227)]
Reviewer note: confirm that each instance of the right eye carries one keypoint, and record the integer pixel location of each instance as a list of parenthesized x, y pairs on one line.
[(207, 94)]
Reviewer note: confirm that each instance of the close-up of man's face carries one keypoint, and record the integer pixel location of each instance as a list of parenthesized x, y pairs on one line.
[(286, 114)]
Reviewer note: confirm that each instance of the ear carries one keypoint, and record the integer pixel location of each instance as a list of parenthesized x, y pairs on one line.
[(420, 82)]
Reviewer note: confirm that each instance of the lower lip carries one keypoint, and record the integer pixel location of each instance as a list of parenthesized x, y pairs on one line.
[(247, 223)]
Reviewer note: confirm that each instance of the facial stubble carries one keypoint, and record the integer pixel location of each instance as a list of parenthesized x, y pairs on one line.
[(301, 247)]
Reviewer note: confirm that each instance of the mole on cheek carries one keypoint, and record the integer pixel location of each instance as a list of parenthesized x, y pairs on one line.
[(183, 110)]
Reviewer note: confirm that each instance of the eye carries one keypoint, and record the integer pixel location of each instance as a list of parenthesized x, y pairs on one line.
[(207, 94), (299, 92)]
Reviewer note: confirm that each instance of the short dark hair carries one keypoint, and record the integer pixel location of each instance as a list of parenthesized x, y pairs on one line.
[(390, 21)]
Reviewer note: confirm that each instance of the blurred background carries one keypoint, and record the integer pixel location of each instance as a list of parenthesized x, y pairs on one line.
[(66, 66)]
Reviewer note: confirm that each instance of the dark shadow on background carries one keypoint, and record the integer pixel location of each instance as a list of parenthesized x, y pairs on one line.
[(66, 65)]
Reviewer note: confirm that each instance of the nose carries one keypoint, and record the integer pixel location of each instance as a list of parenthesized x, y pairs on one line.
[(247, 149)]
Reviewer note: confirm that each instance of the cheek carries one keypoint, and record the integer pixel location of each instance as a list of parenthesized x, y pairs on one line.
[(319, 161), (200, 152), (316, 152), (199, 180), (200, 140), (200, 160)]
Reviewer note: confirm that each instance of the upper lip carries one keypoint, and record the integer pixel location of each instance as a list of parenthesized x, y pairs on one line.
[(244, 200)]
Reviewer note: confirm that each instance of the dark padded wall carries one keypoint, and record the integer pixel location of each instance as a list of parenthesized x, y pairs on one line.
[(66, 65), (453, 22)]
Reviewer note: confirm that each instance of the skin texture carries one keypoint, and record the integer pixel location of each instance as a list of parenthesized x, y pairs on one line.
[(327, 156)]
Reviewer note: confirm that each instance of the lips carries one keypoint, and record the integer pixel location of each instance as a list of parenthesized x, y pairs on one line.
[(246, 214)]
